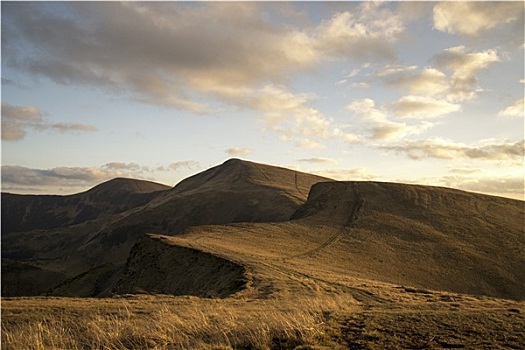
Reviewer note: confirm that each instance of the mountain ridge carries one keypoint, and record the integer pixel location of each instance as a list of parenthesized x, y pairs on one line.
[(262, 218), (31, 212)]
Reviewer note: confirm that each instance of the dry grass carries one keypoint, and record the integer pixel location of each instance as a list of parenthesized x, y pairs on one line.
[(165, 323), (417, 320)]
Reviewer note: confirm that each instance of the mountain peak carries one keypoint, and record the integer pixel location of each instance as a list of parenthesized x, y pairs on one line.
[(236, 174)]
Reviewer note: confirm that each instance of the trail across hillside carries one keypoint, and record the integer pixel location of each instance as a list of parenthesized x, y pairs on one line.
[(354, 205)]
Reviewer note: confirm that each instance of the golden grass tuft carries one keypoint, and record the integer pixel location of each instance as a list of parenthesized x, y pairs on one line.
[(193, 324)]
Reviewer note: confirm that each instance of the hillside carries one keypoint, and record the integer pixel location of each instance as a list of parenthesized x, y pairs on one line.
[(420, 236), (37, 212), (258, 216), (240, 257), (235, 191)]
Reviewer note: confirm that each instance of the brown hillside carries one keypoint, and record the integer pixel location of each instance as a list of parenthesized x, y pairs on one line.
[(236, 191), (360, 265), (425, 237), (34, 212)]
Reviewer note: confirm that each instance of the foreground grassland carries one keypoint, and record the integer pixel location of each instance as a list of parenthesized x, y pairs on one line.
[(393, 318)]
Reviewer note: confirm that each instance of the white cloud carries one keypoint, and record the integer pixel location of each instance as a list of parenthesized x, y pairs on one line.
[(352, 138), (353, 174), (473, 18), (421, 107), (317, 160), (390, 70), (16, 120), (464, 67), (239, 151), (289, 115), (427, 82), (489, 150), (221, 53), (369, 32), (515, 110), (186, 50), (377, 124)]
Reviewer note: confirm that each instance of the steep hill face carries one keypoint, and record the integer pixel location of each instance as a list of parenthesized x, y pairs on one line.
[(34, 212), (235, 191)]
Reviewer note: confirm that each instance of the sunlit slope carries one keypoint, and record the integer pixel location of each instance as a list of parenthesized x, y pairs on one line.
[(419, 236)]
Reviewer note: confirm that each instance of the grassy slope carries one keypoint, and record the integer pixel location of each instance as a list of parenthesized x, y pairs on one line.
[(418, 236)]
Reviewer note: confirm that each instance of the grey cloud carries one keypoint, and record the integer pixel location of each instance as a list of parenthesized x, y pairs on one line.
[(16, 120), (509, 186), (22, 113), (122, 166), (67, 176), (57, 176), (170, 53), (65, 127), (189, 164)]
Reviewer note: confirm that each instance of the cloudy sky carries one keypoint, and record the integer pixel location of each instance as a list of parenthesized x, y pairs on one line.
[(428, 93)]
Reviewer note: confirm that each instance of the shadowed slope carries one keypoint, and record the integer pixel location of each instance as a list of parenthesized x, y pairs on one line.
[(235, 191), (33, 212)]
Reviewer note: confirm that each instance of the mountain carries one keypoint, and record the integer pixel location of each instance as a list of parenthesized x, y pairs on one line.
[(244, 225), (235, 191), (428, 238), (256, 256), (36, 212)]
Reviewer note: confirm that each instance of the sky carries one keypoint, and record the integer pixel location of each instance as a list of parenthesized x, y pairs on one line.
[(415, 92)]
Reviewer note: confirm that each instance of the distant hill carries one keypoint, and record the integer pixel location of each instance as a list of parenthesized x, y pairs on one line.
[(35, 212)]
